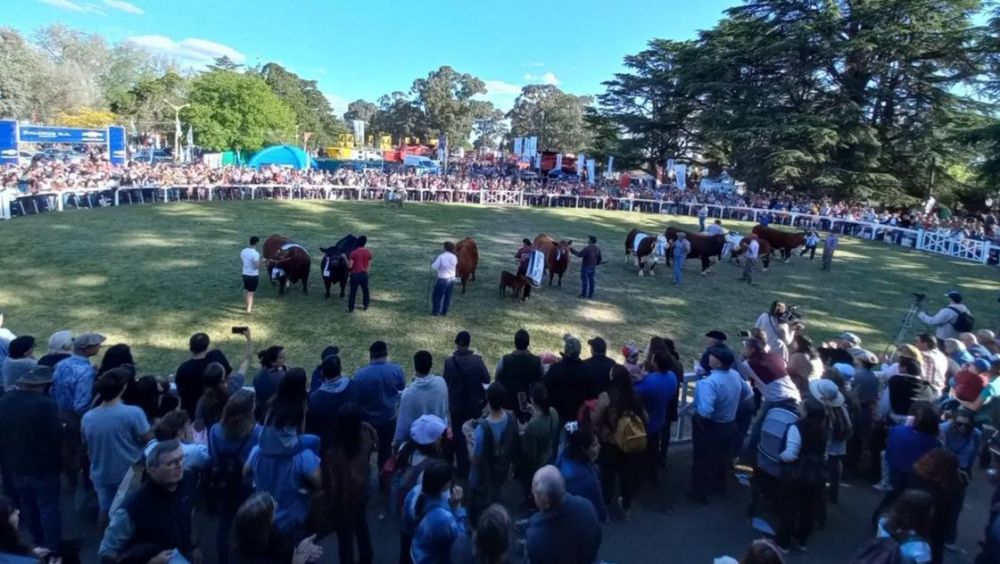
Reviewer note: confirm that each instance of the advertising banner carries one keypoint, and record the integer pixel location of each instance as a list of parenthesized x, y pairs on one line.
[(48, 134)]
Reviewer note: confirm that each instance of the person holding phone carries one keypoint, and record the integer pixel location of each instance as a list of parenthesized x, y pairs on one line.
[(251, 271)]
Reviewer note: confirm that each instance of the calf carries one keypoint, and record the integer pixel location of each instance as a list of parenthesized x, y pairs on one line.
[(519, 285)]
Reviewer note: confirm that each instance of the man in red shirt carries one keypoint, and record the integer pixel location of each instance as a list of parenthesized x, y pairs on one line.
[(358, 262)]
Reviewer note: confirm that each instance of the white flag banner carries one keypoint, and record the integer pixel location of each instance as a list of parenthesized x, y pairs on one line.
[(559, 162), (590, 171), (359, 132), (611, 165), (681, 171), (518, 143), (930, 204), (580, 161), (533, 144)]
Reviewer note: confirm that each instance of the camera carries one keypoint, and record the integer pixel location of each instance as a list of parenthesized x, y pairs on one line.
[(917, 297), (240, 330), (793, 314)]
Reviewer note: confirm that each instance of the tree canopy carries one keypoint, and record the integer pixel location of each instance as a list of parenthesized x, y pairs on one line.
[(236, 110)]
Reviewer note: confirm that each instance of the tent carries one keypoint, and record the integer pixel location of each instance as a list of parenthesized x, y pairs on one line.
[(281, 155)]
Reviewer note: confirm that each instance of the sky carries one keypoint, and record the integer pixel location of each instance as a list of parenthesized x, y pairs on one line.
[(367, 48)]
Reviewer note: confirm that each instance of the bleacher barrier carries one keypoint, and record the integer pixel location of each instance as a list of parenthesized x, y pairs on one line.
[(939, 242)]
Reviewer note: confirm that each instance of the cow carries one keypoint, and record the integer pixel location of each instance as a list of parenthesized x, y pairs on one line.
[(556, 255), (702, 246), (333, 267), (468, 259), (647, 246), (738, 245), (518, 284), (287, 262), (785, 241)]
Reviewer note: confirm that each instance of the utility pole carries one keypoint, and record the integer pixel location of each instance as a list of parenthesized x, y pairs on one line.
[(177, 127)]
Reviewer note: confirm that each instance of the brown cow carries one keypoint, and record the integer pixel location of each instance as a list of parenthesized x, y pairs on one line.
[(764, 252), (518, 284), (556, 255), (702, 246), (468, 259), (646, 247), (287, 262), (785, 241)]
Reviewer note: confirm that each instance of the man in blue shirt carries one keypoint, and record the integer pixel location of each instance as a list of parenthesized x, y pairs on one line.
[(713, 425), (73, 380), (656, 390), (379, 386)]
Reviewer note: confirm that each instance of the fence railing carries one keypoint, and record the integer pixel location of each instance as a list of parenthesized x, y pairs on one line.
[(929, 241)]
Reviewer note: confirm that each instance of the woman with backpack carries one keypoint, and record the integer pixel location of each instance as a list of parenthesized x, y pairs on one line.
[(438, 513), (801, 485), (576, 464), (904, 531), (346, 487), (495, 450), (618, 417), (229, 444), (830, 392), (539, 437)]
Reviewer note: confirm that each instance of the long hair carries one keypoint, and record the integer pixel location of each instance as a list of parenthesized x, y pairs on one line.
[(237, 416), (621, 393), (115, 356), (252, 524), (213, 399), (10, 539), (347, 432), (494, 536), (939, 467), (813, 424), (269, 356), (677, 367), (656, 345), (805, 346), (288, 406), (911, 512), (146, 397)]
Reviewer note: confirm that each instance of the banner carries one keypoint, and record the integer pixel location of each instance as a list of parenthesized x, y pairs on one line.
[(580, 161), (611, 165), (590, 171), (681, 171), (116, 144), (8, 142), (46, 134), (559, 162), (359, 132), (518, 144)]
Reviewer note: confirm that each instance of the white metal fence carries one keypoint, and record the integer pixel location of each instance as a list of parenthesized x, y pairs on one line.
[(12, 201)]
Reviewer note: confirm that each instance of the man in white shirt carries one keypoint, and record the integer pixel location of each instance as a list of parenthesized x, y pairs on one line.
[(750, 259), (251, 270), (716, 228), (445, 265), (944, 320), (935, 363)]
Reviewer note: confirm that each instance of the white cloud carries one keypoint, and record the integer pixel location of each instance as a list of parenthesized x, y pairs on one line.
[(533, 65), (72, 6), (190, 51), (547, 78), (337, 103), (123, 6), (499, 87)]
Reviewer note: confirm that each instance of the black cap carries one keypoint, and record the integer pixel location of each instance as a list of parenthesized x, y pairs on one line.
[(378, 349), (592, 239), (463, 339), (526, 241), (599, 345), (723, 355), (717, 335)]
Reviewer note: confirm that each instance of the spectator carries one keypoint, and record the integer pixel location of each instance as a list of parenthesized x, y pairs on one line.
[(903, 390), (175, 426), (257, 540), (114, 434), (219, 385), (154, 397), (944, 320), (439, 515), (840, 427), (465, 373), (317, 376), (415, 456), (284, 463), (801, 489), (767, 372), (961, 438), (539, 436), (20, 360), (935, 363), (229, 444), (778, 333), (6, 336), (518, 372), (630, 352), (73, 380), (494, 451), (492, 542), (268, 378), (598, 366), (378, 390), (656, 390), (864, 389), (189, 377), (972, 345), (577, 465), (155, 520), (805, 364), (567, 382), (60, 348), (971, 380), (325, 403), (713, 338), (30, 446), (909, 524), (842, 351), (957, 354), (905, 445), (566, 529), (426, 394), (617, 466), (345, 469), (937, 473), (12, 548), (116, 356)]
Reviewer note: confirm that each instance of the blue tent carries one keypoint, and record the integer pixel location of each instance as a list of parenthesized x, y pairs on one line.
[(282, 155)]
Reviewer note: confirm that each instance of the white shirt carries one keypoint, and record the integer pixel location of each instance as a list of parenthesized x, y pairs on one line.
[(936, 369), (753, 249), (445, 265), (715, 229), (779, 336), (251, 261)]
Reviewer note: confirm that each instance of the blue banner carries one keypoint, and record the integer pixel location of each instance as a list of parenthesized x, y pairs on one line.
[(8, 142), (47, 134), (116, 144)]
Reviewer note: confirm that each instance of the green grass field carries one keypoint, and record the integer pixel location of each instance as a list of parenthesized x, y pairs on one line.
[(152, 275)]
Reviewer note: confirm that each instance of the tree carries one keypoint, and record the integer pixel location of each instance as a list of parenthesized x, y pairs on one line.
[(85, 117), (399, 118), (445, 98), (312, 109), (70, 74), (18, 65), (230, 110), (360, 109), (555, 117), (490, 129), (143, 104), (224, 63), (128, 65)]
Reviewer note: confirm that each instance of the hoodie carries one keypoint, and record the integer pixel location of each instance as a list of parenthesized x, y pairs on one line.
[(568, 534), (14, 368), (943, 321), (280, 466), (425, 395)]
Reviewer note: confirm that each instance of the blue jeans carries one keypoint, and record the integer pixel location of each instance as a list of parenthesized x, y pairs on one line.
[(39, 500), (587, 282), (441, 299), (701, 223), (678, 264)]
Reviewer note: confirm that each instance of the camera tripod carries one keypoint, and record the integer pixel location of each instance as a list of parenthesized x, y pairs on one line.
[(906, 323)]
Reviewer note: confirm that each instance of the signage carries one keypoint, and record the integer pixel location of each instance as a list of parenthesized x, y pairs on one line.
[(47, 134)]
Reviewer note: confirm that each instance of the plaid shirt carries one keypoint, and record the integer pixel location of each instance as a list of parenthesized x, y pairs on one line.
[(73, 384)]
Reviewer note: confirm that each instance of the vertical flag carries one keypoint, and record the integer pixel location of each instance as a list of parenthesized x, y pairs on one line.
[(559, 162), (611, 165), (359, 132), (518, 144), (681, 171), (590, 171), (579, 164)]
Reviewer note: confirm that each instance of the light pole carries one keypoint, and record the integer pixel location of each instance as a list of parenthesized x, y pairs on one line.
[(177, 127)]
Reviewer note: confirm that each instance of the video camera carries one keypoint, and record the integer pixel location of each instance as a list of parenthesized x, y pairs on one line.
[(919, 298), (793, 314)]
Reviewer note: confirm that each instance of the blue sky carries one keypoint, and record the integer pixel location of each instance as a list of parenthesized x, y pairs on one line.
[(366, 48)]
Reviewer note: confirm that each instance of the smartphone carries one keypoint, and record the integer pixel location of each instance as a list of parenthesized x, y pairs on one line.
[(240, 330), (522, 402)]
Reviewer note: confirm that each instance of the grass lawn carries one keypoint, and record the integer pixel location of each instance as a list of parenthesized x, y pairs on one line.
[(152, 275)]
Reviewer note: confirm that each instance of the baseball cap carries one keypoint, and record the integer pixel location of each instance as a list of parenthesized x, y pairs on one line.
[(717, 335), (598, 344), (850, 338), (427, 429), (982, 365)]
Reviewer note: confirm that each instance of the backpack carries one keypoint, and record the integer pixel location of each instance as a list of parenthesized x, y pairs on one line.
[(630, 433), (840, 424), (879, 551), (773, 431), (227, 488), (964, 322), (499, 454)]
